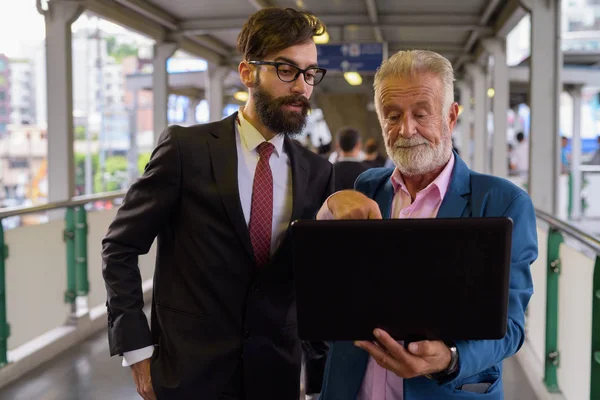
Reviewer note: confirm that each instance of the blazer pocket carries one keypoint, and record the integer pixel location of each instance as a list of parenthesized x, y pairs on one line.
[(482, 385), (180, 311)]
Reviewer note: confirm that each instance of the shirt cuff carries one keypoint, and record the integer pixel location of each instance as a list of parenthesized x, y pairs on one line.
[(325, 213), (135, 356)]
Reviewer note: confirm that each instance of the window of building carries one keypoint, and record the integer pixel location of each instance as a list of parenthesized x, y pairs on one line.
[(2, 95), (2, 65), (18, 163), (2, 110)]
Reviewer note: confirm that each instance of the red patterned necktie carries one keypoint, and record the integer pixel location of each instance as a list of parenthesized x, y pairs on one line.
[(261, 214)]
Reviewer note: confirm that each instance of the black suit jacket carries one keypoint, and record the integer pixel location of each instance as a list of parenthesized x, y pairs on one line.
[(212, 310)]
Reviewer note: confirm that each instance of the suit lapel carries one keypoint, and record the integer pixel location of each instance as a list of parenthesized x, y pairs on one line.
[(457, 197), (223, 156), (385, 198), (299, 178)]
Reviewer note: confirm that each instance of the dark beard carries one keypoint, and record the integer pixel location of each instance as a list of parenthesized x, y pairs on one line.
[(273, 116)]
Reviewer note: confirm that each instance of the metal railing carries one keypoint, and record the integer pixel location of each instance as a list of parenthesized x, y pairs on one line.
[(555, 238), (75, 237)]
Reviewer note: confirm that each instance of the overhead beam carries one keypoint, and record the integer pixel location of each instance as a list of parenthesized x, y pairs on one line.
[(465, 22), (437, 47), (373, 16), (569, 76), (191, 46), (210, 43), (149, 11), (126, 17), (488, 11), (509, 17), (260, 4)]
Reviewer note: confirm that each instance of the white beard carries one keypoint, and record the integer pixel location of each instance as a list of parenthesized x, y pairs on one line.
[(423, 158)]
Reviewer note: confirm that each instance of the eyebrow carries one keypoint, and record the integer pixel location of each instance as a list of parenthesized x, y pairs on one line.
[(290, 61), (423, 104)]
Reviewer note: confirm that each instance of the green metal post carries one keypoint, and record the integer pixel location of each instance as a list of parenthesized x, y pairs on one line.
[(4, 326), (595, 373), (570, 198), (69, 237), (555, 238), (81, 259)]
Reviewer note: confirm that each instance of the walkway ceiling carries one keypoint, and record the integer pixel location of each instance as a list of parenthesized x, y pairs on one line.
[(209, 28)]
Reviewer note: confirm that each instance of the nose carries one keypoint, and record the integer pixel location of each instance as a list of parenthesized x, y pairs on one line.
[(299, 86), (408, 127)]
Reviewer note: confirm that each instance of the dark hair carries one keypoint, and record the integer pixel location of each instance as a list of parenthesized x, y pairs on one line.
[(273, 29), (520, 136), (348, 138), (371, 146)]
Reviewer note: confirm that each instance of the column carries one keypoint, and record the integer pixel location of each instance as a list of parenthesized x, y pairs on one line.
[(132, 154), (190, 118), (160, 85), (59, 81), (479, 117), (214, 91), (465, 122), (545, 87), (497, 48), (575, 93)]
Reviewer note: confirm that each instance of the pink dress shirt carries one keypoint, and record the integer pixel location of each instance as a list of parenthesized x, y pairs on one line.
[(379, 383)]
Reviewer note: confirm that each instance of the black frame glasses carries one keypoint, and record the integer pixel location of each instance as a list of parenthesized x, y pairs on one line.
[(294, 72)]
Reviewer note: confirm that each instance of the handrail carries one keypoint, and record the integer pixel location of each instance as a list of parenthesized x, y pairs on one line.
[(74, 202), (576, 233), (589, 168)]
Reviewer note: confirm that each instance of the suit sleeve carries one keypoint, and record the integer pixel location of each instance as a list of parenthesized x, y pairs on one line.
[(315, 353), (478, 355), (146, 208)]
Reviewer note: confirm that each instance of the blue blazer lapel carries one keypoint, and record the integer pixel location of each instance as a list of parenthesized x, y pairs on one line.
[(346, 366), (385, 198), (457, 197)]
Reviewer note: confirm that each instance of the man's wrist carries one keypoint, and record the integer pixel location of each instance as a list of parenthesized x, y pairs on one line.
[(452, 366)]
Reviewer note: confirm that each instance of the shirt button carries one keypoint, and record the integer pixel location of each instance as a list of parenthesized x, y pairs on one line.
[(247, 335)]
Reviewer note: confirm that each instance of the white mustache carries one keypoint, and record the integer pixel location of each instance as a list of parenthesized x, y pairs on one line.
[(414, 141)]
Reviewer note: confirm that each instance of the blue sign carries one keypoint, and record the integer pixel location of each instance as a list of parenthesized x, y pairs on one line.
[(358, 57)]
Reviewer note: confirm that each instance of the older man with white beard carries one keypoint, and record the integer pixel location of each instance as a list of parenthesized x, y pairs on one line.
[(414, 98)]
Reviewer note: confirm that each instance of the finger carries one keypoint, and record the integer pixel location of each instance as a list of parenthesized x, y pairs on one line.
[(374, 211), (426, 348), (383, 358), (386, 340)]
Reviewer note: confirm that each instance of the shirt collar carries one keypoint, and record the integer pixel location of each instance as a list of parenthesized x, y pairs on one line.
[(251, 137), (441, 182)]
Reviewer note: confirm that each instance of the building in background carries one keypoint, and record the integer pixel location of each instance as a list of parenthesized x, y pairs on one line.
[(22, 92), (5, 107)]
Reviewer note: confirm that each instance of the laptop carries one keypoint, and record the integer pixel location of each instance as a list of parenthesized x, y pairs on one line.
[(418, 279)]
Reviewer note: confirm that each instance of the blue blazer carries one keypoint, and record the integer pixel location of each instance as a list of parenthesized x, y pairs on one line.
[(470, 194)]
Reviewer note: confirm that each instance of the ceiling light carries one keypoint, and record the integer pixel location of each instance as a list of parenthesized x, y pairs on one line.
[(241, 96), (460, 109), (324, 38), (353, 78), (491, 92)]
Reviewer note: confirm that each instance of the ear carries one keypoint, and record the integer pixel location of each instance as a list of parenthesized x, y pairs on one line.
[(247, 74), (453, 116)]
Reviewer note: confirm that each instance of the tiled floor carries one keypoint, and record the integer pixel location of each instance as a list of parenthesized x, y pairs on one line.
[(86, 372)]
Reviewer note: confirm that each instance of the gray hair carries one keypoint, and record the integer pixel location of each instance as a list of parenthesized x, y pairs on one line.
[(407, 63)]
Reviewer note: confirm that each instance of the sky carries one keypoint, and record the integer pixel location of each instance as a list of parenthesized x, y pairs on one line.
[(22, 27)]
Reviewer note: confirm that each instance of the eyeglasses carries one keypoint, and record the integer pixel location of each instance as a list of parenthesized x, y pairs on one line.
[(289, 72)]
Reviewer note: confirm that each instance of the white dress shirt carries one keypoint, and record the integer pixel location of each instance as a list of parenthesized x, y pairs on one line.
[(247, 139)]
